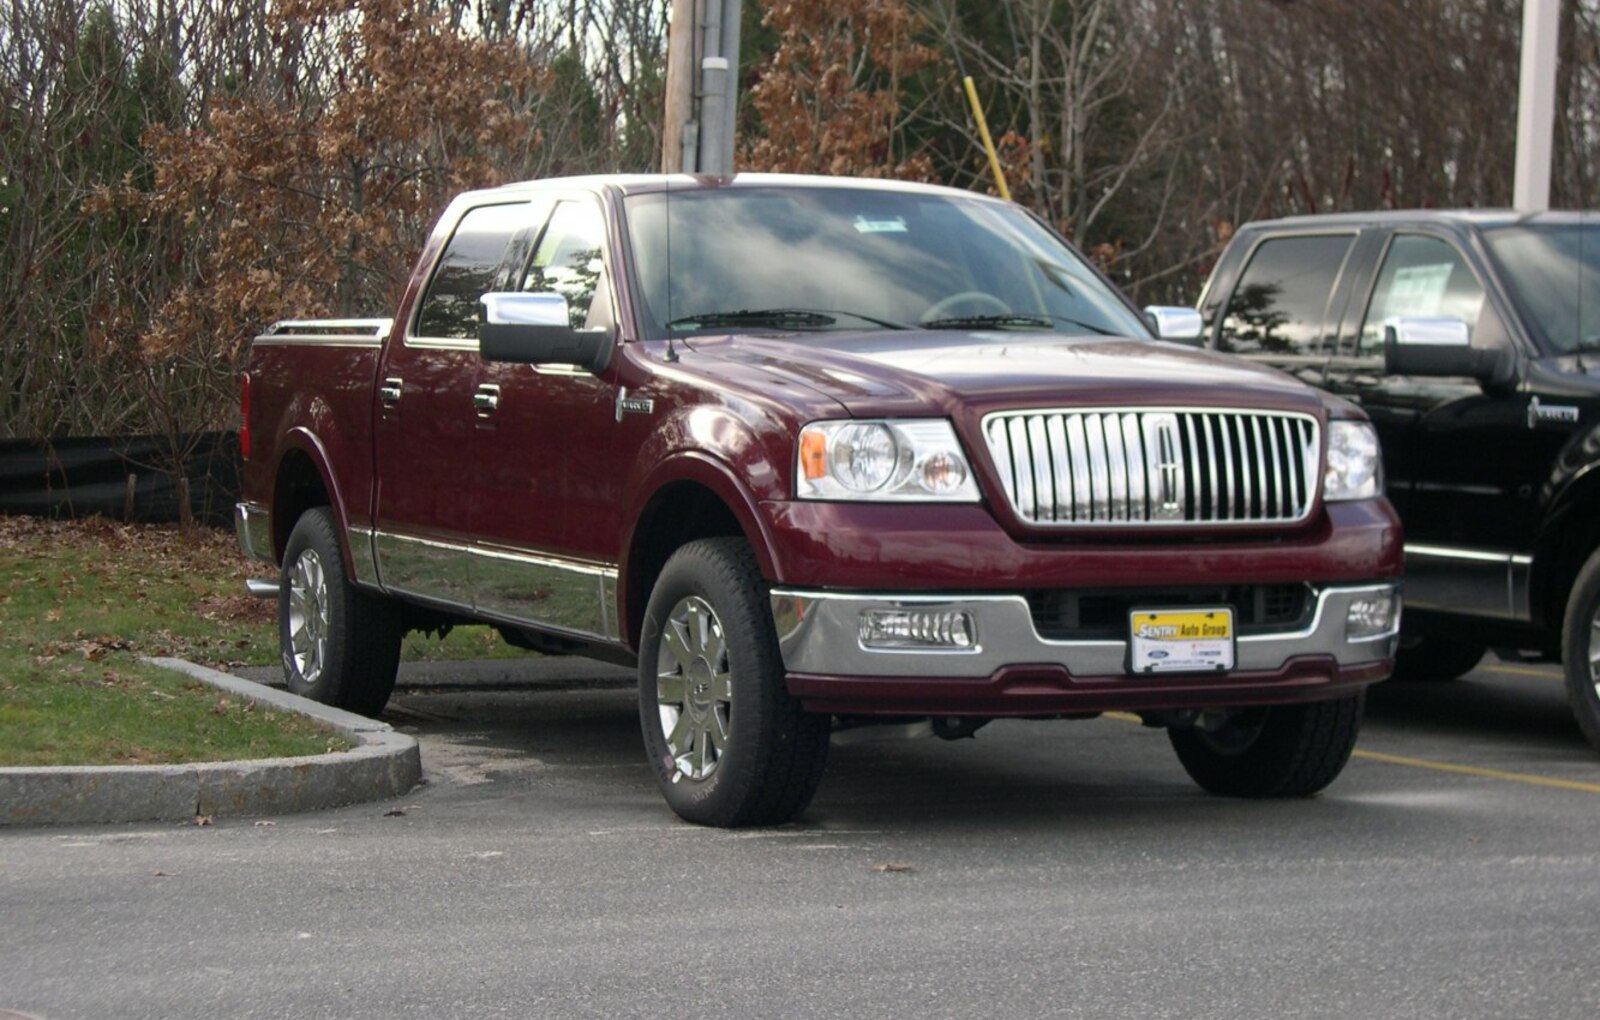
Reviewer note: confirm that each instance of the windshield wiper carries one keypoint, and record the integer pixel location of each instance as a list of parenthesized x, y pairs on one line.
[(1014, 319), (776, 318)]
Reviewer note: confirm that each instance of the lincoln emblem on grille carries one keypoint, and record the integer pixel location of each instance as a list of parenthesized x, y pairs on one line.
[(1168, 464)]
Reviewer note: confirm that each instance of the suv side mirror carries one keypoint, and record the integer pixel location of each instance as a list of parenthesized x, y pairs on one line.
[(1435, 346), (1181, 324), (535, 329)]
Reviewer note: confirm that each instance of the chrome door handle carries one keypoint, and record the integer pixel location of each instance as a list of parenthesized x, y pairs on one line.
[(389, 392), (486, 400)]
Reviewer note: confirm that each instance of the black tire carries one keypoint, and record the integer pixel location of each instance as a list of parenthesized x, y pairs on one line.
[(1580, 649), (340, 645), (1433, 660), (1282, 751), (729, 746)]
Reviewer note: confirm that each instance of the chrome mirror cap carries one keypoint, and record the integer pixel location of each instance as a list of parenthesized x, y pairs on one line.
[(1426, 331), (519, 309), (1174, 323)]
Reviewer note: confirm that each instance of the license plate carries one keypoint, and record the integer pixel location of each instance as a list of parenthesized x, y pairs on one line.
[(1180, 640)]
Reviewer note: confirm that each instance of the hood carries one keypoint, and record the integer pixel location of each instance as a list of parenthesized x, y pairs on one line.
[(902, 373)]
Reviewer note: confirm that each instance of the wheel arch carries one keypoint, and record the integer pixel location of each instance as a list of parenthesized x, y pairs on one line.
[(691, 497), (301, 482), (1568, 536)]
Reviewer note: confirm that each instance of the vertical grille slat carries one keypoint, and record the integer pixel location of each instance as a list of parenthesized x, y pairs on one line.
[(1155, 466)]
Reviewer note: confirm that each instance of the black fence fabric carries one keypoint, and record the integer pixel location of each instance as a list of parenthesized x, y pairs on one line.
[(84, 476)]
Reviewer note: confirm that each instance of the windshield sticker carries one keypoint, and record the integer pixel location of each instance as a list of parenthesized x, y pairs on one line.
[(896, 225), (1419, 290)]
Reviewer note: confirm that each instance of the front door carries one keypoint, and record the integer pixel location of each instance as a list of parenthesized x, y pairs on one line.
[(546, 511)]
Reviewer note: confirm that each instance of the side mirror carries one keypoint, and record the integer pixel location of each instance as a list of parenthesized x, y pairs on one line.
[(1172, 323), (535, 329), (1435, 346)]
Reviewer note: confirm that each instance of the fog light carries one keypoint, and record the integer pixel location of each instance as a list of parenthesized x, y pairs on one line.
[(1370, 616), (917, 628)]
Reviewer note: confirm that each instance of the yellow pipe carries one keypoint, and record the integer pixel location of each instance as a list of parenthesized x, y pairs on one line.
[(983, 133)]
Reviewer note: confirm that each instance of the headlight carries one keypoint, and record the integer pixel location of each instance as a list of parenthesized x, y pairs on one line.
[(1355, 468), (903, 460)]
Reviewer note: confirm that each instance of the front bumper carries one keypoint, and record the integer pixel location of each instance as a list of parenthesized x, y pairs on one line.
[(1011, 670)]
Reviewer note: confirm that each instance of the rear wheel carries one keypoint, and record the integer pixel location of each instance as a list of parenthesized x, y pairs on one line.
[(340, 645), (1580, 649), (1435, 659), (729, 745), (1280, 751)]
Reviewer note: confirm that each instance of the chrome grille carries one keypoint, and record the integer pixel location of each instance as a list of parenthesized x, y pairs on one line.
[(1162, 466)]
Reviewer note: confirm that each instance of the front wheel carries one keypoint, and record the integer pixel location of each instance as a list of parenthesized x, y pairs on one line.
[(729, 745), (1280, 751), (1580, 649), (340, 645)]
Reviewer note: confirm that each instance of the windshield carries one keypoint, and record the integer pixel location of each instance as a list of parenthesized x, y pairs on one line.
[(1554, 272), (796, 259)]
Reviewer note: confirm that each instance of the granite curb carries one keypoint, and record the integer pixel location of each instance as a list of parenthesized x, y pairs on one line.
[(383, 764)]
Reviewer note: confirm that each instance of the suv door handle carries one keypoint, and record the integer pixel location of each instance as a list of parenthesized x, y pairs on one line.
[(486, 400), (389, 393)]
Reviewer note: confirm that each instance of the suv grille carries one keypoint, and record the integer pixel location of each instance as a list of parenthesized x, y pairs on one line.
[(1155, 466)]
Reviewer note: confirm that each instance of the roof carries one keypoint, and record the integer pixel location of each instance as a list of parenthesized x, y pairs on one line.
[(1458, 218), (631, 184)]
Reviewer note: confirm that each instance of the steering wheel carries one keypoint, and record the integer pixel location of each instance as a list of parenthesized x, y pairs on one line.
[(942, 308)]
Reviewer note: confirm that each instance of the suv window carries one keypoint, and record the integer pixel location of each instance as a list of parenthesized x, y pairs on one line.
[(1420, 276), (467, 271), (567, 260), (1281, 301)]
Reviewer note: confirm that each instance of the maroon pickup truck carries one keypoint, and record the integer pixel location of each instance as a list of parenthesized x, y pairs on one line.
[(819, 452)]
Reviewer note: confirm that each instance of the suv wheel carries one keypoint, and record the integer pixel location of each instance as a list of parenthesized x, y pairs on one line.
[(1281, 751), (1580, 648), (729, 745)]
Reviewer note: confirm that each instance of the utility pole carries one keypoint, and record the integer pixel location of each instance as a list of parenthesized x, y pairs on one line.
[(702, 87), (1536, 104)]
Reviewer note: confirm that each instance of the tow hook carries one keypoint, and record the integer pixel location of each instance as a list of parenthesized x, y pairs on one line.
[(956, 727)]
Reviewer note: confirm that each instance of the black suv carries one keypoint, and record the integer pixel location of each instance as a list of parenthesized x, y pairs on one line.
[(1473, 341)]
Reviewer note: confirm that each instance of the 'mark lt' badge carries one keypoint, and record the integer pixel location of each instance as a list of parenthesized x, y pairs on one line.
[(632, 405)]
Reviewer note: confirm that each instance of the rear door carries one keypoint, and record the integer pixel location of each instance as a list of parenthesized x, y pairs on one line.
[(426, 420)]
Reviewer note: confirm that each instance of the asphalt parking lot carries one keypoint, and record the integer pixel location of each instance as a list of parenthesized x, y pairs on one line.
[(1042, 869)]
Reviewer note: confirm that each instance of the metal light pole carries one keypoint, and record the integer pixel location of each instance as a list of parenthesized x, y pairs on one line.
[(702, 49), (1536, 104)]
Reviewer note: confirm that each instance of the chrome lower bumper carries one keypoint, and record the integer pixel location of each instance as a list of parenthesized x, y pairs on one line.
[(252, 525), (819, 634)]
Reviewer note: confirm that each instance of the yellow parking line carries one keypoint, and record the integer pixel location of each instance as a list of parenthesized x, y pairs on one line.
[(1523, 671), (1473, 770)]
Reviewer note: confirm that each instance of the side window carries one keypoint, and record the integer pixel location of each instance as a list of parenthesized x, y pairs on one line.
[(1420, 276), (466, 271), (567, 260), (1281, 301)]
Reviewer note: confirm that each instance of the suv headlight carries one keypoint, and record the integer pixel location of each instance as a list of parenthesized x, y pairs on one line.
[(906, 460), (1355, 467)]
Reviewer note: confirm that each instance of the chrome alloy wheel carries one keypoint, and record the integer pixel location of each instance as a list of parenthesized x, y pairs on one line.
[(1594, 651), (308, 615), (694, 688)]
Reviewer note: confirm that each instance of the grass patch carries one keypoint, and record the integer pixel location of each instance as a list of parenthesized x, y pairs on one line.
[(82, 601)]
